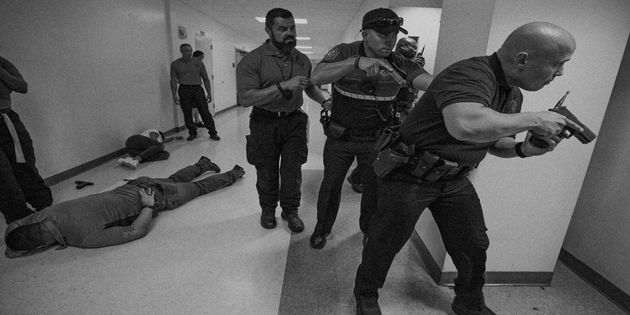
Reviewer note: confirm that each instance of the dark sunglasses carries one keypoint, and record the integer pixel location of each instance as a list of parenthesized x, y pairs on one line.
[(382, 22)]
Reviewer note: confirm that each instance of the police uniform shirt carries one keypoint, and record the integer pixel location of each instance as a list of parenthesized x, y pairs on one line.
[(362, 102), (265, 66), (475, 80)]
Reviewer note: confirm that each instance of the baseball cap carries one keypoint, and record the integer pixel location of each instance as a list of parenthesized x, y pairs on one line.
[(383, 20)]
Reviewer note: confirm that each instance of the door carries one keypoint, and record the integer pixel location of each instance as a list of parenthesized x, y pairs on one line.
[(204, 44), (238, 55)]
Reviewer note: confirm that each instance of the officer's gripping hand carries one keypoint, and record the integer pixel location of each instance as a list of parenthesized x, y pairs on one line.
[(530, 149), (297, 83), (551, 123), (373, 66)]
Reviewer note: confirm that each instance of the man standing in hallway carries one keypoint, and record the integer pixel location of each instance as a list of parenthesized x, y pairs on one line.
[(188, 73), (20, 181), (472, 108), (271, 78), (408, 48), (366, 77)]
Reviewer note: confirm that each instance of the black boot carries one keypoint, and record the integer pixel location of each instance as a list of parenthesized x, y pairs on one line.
[(469, 300)]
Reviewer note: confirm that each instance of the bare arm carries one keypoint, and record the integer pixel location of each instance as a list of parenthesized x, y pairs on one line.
[(11, 77), (330, 72), (315, 93), (120, 234), (422, 81), (174, 85), (476, 123), (206, 82)]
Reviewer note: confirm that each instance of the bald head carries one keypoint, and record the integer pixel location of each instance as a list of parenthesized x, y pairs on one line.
[(535, 53), (407, 46)]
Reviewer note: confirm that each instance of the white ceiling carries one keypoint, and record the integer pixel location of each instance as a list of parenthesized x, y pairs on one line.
[(327, 19)]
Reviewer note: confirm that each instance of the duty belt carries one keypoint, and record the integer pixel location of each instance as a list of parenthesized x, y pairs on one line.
[(269, 114), (424, 166), (365, 97)]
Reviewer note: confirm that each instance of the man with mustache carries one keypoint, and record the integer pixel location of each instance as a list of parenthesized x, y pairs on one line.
[(366, 77), (472, 108), (271, 79)]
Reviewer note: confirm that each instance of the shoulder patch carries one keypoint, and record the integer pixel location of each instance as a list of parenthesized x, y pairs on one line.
[(332, 53)]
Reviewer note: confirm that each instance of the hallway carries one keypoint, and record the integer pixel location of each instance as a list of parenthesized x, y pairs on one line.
[(211, 256)]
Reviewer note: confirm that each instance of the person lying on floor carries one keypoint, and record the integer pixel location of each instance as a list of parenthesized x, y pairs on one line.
[(116, 216), (145, 147)]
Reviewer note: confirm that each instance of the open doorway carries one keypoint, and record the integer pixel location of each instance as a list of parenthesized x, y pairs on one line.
[(238, 55), (204, 44)]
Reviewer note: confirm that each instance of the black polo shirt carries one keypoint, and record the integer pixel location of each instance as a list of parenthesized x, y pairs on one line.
[(355, 105), (475, 80), (265, 66)]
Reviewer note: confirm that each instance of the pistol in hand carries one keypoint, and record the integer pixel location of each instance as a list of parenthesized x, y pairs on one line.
[(584, 136)]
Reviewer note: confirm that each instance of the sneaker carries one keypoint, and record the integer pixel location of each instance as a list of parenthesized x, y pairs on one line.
[(215, 137), (191, 137), (238, 170), (207, 165), (129, 162)]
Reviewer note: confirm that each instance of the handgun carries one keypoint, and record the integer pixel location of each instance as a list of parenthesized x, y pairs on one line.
[(585, 136)]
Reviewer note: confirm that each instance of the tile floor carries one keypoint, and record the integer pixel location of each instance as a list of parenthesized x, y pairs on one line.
[(211, 256)]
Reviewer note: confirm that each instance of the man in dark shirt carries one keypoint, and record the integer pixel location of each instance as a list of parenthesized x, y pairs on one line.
[(20, 181), (471, 108), (271, 78), (366, 77), (189, 72), (408, 48), (113, 217)]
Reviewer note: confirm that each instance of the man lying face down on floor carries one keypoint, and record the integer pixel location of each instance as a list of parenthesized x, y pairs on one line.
[(113, 217)]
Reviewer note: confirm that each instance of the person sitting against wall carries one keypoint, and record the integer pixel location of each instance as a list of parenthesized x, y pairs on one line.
[(116, 216)]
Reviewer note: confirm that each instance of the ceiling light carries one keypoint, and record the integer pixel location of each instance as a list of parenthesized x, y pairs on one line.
[(303, 38), (303, 47), (307, 52), (297, 21)]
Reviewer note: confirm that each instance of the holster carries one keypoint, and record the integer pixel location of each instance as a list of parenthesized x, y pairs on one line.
[(391, 153), (430, 167), (332, 129), (388, 160)]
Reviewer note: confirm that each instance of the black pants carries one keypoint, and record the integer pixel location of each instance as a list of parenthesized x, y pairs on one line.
[(192, 96), (277, 148), (338, 157), (145, 148), (19, 182), (457, 212)]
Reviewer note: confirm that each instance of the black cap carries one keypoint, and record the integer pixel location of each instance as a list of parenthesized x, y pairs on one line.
[(383, 20)]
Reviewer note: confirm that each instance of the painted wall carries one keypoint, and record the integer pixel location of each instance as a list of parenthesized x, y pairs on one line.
[(598, 233), (224, 40), (96, 70), (528, 203)]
